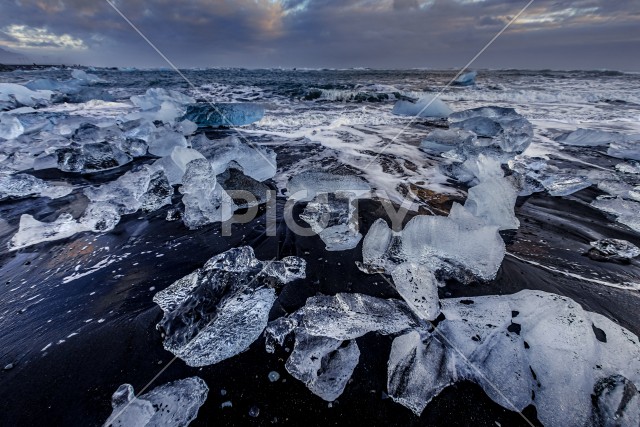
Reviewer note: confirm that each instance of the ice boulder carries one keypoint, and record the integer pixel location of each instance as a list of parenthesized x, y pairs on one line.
[(253, 160), (466, 79), (224, 114), (218, 311), (613, 249), (173, 404), (205, 201), (98, 218), (427, 106), (10, 127)]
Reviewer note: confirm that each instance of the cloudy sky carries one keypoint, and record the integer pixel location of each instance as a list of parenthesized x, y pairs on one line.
[(557, 34)]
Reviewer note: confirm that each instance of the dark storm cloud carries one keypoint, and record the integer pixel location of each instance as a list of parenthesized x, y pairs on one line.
[(329, 33)]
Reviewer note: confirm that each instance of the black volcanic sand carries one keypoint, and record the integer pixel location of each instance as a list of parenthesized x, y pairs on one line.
[(71, 383)]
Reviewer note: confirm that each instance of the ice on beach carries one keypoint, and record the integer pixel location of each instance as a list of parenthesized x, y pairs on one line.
[(10, 127), (85, 77), (218, 311), (591, 138), (324, 365), (418, 286), (615, 249), (626, 149), (92, 157), (253, 160), (564, 184), (224, 114), (138, 129), (205, 201), (307, 185), (427, 106), (25, 185), (175, 164), (162, 141), (98, 218), (161, 105), (442, 140), (630, 167), (14, 95), (466, 79), (528, 348), (173, 404), (507, 130), (625, 211), (146, 188)]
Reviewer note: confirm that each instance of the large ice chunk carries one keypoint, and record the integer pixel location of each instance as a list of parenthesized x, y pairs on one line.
[(224, 114), (528, 348), (427, 106), (218, 311), (204, 199), (14, 95), (97, 218), (466, 79), (253, 160), (173, 404)]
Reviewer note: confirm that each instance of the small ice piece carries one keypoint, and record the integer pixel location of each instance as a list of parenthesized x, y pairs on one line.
[(224, 114), (85, 77), (173, 404), (466, 79), (615, 249), (442, 140), (274, 376), (324, 365), (175, 164), (25, 185), (10, 127), (564, 185), (630, 167), (204, 199), (428, 106), (187, 127), (218, 311), (626, 211), (590, 138), (97, 218), (625, 149), (162, 142), (253, 160), (15, 95), (480, 126), (154, 98)]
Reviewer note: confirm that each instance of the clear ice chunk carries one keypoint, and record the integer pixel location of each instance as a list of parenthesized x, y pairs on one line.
[(155, 97), (204, 199), (626, 211), (10, 127), (224, 114), (616, 248), (253, 160), (25, 185), (564, 184), (442, 140), (626, 149), (218, 311), (173, 404), (466, 79), (14, 95), (307, 185), (427, 106), (162, 142), (175, 164)]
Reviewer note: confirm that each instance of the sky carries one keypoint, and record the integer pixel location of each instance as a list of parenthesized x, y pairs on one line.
[(388, 34)]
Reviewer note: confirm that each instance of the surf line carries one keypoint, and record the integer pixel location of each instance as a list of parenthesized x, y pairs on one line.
[(627, 286)]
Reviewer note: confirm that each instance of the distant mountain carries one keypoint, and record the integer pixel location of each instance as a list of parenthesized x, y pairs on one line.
[(13, 58)]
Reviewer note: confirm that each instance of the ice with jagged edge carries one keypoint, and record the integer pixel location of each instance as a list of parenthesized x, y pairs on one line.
[(428, 106), (172, 404), (10, 127), (224, 114), (205, 201), (91, 157), (591, 138), (496, 127), (466, 79), (531, 348), (146, 188), (253, 160), (13, 95), (175, 164), (325, 353), (24, 185), (535, 175), (442, 140), (616, 248), (159, 104), (97, 218), (625, 211), (626, 149), (331, 211), (218, 311)]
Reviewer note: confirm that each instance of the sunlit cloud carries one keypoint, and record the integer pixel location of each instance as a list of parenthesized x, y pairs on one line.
[(25, 37)]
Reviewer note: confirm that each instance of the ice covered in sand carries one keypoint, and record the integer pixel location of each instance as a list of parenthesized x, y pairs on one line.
[(253, 160), (205, 201), (531, 348), (332, 210), (427, 106), (98, 218), (24, 185), (224, 114), (173, 404), (218, 311), (614, 249)]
